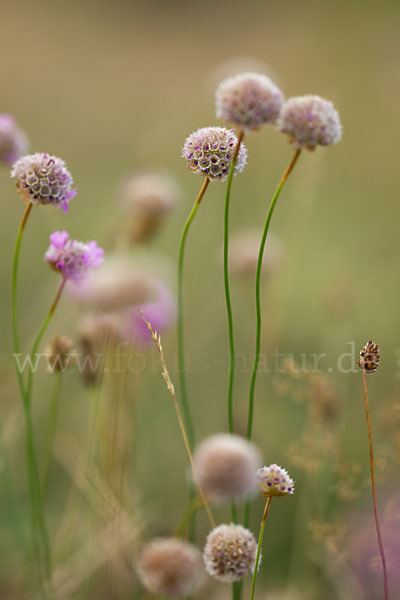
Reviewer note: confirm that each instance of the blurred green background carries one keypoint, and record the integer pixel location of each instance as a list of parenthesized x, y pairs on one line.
[(116, 86)]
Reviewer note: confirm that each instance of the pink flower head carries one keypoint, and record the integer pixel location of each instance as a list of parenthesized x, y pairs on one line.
[(160, 312), (71, 258), (44, 179), (13, 141)]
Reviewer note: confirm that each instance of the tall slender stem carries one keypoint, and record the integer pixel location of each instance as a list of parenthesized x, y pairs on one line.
[(14, 294), (373, 486), (51, 428), (232, 356), (181, 344), (260, 539)]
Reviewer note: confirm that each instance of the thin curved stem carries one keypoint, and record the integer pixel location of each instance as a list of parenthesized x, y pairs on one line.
[(40, 337), (14, 295), (51, 429), (373, 487), (181, 343), (232, 355), (258, 289), (260, 539)]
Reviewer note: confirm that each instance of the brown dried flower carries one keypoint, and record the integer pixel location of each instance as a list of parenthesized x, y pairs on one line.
[(369, 357)]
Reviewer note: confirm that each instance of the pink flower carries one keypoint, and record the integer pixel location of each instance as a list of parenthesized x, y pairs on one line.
[(71, 258), (160, 312)]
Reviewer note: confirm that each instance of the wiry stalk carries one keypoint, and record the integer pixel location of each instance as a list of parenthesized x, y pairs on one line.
[(274, 200), (373, 486), (260, 539), (181, 340)]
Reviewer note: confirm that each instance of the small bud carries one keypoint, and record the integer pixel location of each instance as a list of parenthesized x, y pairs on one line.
[(170, 567), (248, 100), (59, 354), (225, 467), (310, 121), (369, 357), (230, 553), (209, 151), (274, 481)]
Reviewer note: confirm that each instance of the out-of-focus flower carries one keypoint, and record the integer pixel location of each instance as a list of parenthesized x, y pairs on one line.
[(60, 353), (147, 198), (98, 335), (160, 312), (225, 466), (43, 179), (120, 282), (230, 553), (13, 141), (244, 250), (310, 121), (209, 151), (248, 100), (274, 481), (72, 259), (170, 567)]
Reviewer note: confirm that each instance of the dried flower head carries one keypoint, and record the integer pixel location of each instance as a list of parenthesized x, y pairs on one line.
[(44, 179), (98, 334), (225, 466), (309, 121), (70, 258), (230, 553), (248, 100), (147, 199), (13, 141), (244, 249), (209, 151), (59, 354), (369, 357), (118, 283), (170, 567), (274, 481)]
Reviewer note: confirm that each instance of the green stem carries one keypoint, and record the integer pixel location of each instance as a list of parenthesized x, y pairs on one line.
[(51, 429), (181, 347), (260, 539), (274, 200), (232, 356)]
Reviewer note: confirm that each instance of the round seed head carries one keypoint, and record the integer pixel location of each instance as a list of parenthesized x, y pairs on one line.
[(310, 121), (170, 567), (209, 151), (44, 179), (369, 357), (13, 141), (230, 553), (59, 353), (274, 481), (248, 100), (72, 259), (225, 466)]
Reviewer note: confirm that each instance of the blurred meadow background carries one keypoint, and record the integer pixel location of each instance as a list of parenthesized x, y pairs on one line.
[(117, 87)]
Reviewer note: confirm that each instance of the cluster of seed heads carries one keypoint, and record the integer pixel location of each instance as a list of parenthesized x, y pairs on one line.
[(369, 357)]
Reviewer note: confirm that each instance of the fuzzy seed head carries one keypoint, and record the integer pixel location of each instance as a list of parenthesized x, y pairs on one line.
[(170, 567), (230, 553), (44, 179), (99, 335), (310, 121), (72, 259), (209, 151), (225, 466), (59, 354), (248, 100), (13, 141), (274, 481), (369, 357)]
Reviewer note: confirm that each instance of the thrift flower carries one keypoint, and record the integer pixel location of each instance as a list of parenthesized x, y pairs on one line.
[(209, 151), (13, 141), (72, 259), (230, 553), (274, 481), (44, 179)]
